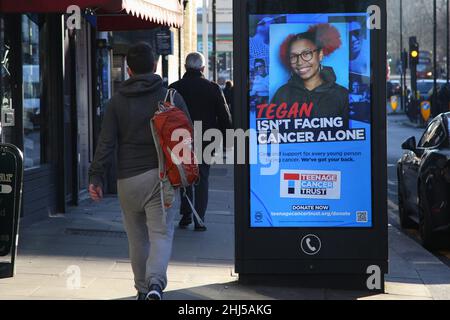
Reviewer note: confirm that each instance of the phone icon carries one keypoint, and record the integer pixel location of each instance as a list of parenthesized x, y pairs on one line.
[(310, 246)]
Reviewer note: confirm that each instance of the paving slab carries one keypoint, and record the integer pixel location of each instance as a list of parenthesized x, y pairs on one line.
[(201, 266)]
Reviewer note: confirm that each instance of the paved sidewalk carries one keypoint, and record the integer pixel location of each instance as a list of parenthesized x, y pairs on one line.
[(402, 118), (91, 239)]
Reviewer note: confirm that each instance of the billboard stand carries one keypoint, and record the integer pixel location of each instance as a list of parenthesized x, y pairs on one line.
[(11, 183), (318, 281), (310, 87)]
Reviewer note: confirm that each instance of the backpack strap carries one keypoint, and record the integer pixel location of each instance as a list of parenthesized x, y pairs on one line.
[(170, 96), (199, 220), (161, 163)]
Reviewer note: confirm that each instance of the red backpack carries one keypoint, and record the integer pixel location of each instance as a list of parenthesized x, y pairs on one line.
[(173, 171), (166, 120)]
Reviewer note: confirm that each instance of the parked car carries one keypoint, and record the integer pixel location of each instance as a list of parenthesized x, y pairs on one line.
[(393, 88), (423, 175), (443, 98), (425, 88)]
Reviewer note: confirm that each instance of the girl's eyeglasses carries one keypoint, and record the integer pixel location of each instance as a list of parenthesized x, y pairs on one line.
[(306, 55)]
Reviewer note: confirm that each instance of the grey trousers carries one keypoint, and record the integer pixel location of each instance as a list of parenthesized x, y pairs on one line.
[(149, 237)]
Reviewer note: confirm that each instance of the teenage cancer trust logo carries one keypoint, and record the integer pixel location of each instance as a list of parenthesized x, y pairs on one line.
[(310, 184)]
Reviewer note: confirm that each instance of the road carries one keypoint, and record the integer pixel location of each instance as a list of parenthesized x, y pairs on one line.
[(398, 132)]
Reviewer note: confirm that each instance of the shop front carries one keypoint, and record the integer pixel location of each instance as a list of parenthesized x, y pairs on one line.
[(49, 80)]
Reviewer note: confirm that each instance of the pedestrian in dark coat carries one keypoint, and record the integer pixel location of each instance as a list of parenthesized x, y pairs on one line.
[(206, 103), (228, 93)]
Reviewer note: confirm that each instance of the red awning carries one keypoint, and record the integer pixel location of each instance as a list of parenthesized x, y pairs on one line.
[(167, 12), (141, 14), (60, 6), (114, 14)]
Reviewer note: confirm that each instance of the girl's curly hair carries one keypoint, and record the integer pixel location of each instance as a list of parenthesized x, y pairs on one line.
[(326, 37)]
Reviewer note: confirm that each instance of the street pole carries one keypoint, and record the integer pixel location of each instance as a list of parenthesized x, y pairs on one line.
[(448, 42), (413, 108), (205, 36), (434, 100), (180, 43), (214, 35), (402, 73)]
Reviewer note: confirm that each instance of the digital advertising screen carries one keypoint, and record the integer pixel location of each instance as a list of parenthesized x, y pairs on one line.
[(310, 108)]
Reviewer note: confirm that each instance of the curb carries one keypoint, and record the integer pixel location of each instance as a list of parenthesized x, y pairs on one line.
[(413, 125)]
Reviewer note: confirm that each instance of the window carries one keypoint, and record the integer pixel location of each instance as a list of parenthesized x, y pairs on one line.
[(31, 93), (433, 136)]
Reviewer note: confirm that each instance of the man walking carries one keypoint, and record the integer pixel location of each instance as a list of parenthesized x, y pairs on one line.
[(127, 124), (206, 103)]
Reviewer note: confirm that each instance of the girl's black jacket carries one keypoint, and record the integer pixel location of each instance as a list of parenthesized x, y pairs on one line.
[(329, 99)]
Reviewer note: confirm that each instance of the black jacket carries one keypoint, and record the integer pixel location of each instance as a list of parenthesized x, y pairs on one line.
[(205, 101), (228, 93), (329, 99), (126, 123)]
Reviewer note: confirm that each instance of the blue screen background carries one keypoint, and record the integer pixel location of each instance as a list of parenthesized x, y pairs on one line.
[(356, 177)]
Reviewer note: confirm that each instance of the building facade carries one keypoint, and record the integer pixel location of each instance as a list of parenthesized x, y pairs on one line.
[(57, 80), (224, 39)]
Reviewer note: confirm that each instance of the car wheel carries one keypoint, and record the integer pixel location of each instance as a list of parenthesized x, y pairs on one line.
[(405, 221), (427, 236)]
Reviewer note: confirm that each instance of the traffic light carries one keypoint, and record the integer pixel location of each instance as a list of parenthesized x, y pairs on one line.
[(413, 62), (413, 51)]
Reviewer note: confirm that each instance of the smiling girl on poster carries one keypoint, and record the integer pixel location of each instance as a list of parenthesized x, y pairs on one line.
[(310, 81)]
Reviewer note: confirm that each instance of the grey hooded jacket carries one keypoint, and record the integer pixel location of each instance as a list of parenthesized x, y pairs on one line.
[(126, 124)]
